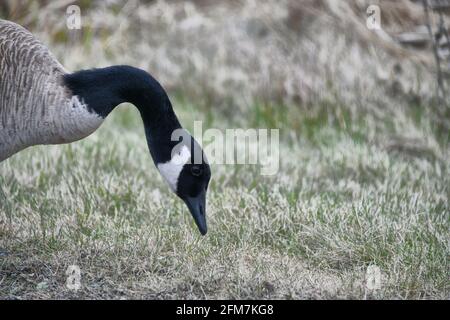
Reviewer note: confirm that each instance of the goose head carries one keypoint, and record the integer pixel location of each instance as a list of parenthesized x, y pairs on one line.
[(188, 174)]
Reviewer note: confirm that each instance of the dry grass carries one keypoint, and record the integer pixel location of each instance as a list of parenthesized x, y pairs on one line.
[(337, 206)]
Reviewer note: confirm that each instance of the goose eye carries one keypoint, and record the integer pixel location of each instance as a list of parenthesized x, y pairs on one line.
[(196, 171)]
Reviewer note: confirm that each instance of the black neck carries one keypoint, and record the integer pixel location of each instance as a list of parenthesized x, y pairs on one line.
[(103, 89)]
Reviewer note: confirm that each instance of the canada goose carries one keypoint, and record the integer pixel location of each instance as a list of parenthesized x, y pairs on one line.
[(41, 103)]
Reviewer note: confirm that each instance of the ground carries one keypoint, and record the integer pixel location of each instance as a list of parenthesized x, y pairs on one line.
[(338, 205)]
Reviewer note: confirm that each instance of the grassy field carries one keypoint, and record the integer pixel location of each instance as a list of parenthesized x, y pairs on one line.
[(338, 205), (364, 177)]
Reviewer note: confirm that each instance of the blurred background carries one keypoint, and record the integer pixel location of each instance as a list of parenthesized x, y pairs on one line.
[(364, 180), (289, 56)]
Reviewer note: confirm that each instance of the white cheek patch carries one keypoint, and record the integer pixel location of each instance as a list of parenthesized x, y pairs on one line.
[(170, 170)]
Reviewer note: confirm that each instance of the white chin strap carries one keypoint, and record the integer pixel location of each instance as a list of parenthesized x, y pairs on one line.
[(170, 170)]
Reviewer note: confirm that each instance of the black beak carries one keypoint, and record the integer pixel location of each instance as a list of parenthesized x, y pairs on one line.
[(196, 206)]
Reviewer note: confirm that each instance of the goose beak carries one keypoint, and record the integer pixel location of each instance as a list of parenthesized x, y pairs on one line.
[(196, 206)]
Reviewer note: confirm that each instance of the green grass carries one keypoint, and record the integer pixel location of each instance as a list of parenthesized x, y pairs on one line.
[(341, 202)]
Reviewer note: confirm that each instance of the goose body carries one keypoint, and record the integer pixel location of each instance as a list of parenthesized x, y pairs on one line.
[(35, 106), (42, 103)]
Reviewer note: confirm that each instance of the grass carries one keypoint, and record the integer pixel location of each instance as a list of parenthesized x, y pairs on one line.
[(340, 203)]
